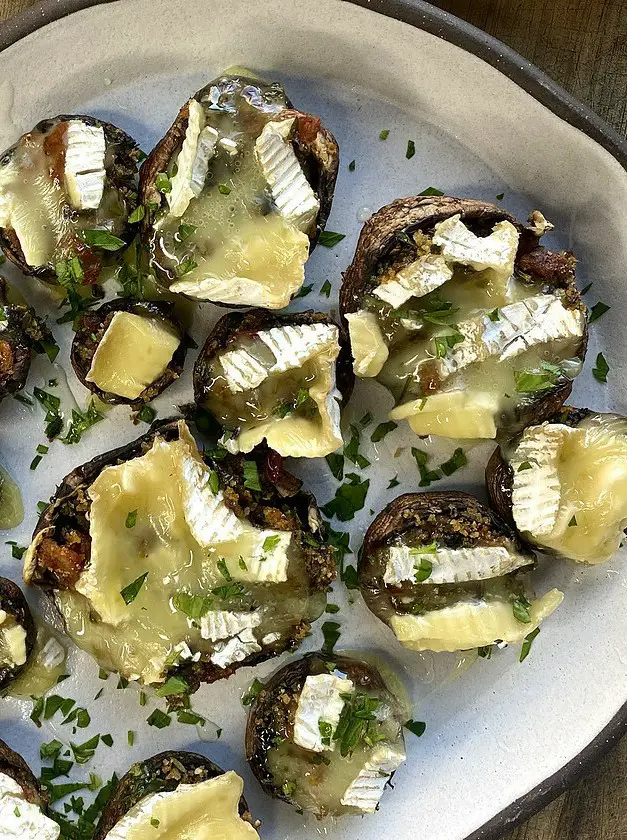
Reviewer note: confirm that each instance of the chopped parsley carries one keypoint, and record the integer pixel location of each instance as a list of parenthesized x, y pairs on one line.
[(485, 652), (526, 645), (303, 291), (336, 464), (351, 166), (325, 289), (524, 466), (185, 266), (416, 727), (131, 519), (586, 289), (531, 381), (52, 405), (185, 231), (411, 149), (331, 633), (173, 685), (520, 608), (427, 476), (444, 343), (271, 542), (107, 740), (252, 692), (597, 310), (81, 422), (162, 182), (494, 315), (382, 430), (130, 737), (326, 731), (394, 482), (159, 719), (423, 571), (455, 462), (137, 215), (84, 752), (35, 462), (350, 577), (130, 592), (431, 191), (573, 522), (349, 498), (357, 723), (224, 570), (601, 369), (189, 717), (224, 189), (329, 238), (17, 551), (102, 239), (340, 540), (251, 476), (351, 449), (194, 606), (146, 414), (500, 197), (332, 609), (383, 135)]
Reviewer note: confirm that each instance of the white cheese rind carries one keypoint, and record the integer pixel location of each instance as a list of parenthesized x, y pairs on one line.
[(366, 790), (537, 492), (452, 565), (14, 643), (222, 624), (292, 346), (242, 371), (20, 819), (84, 172), (291, 191), (205, 150), (267, 565), (181, 190), (236, 649), (458, 244), (417, 279), (320, 700), (208, 518)]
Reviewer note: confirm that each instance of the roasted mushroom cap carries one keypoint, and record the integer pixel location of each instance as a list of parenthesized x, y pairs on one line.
[(278, 378), (178, 789), (23, 802), (563, 484), (22, 334), (161, 562), (475, 328), (129, 351), (326, 734), (238, 190), (17, 632), (67, 189), (445, 573)]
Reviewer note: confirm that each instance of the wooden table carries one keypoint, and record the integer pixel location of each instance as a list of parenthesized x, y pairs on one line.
[(582, 44)]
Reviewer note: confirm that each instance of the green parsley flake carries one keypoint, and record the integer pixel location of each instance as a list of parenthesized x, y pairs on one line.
[(130, 592), (601, 369), (329, 238)]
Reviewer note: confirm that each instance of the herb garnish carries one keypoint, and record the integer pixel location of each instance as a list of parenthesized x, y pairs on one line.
[(251, 476), (349, 498), (303, 291), (526, 646), (173, 685), (394, 482), (597, 310), (146, 414), (601, 369), (331, 633), (130, 592), (444, 343), (350, 577), (485, 652), (411, 149), (573, 521), (417, 727), (194, 606), (520, 607), (382, 430), (351, 166), (252, 692), (427, 476), (335, 460), (81, 422), (325, 289), (329, 238), (131, 519), (531, 381), (224, 189), (524, 466), (162, 182), (383, 135), (84, 752), (137, 215), (159, 719), (351, 449), (224, 570), (431, 191), (102, 239), (455, 462), (271, 542), (357, 722)]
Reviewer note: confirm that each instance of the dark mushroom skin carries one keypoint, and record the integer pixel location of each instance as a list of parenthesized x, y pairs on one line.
[(13, 602), (90, 331), (449, 520), (61, 545), (121, 160), (162, 772), (12, 764), (24, 334), (315, 147), (499, 476), (386, 243), (234, 327), (272, 716)]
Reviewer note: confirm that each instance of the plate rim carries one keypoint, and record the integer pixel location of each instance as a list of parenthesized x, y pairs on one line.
[(424, 16)]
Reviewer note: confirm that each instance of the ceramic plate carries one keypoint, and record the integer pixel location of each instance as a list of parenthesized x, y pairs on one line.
[(501, 736)]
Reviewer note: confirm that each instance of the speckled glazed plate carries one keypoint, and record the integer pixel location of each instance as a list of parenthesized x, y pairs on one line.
[(502, 737)]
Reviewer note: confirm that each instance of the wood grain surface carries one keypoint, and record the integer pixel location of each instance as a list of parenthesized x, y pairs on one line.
[(582, 44)]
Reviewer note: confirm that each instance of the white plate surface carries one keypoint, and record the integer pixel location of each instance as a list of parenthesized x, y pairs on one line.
[(500, 728)]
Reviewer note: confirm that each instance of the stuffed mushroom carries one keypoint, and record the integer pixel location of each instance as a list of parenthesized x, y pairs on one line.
[(563, 484), (129, 351), (326, 735), (237, 193), (470, 323), (17, 632), (163, 562), (67, 189), (22, 334), (445, 573), (177, 794), (23, 806), (275, 378)]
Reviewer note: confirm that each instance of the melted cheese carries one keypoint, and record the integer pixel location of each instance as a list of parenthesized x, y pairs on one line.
[(572, 494), (417, 279), (132, 354), (84, 172), (21, 819), (140, 638), (451, 414), (470, 624), (204, 811), (452, 565), (368, 345), (320, 700)]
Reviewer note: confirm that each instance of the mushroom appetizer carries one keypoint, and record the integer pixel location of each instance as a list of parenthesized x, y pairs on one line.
[(23, 806), (472, 325), (326, 734), (445, 573), (129, 351), (161, 561), (273, 378), (67, 189), (17, 634), (564, 484), (237, 193), (22, 334), (177, 794)]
